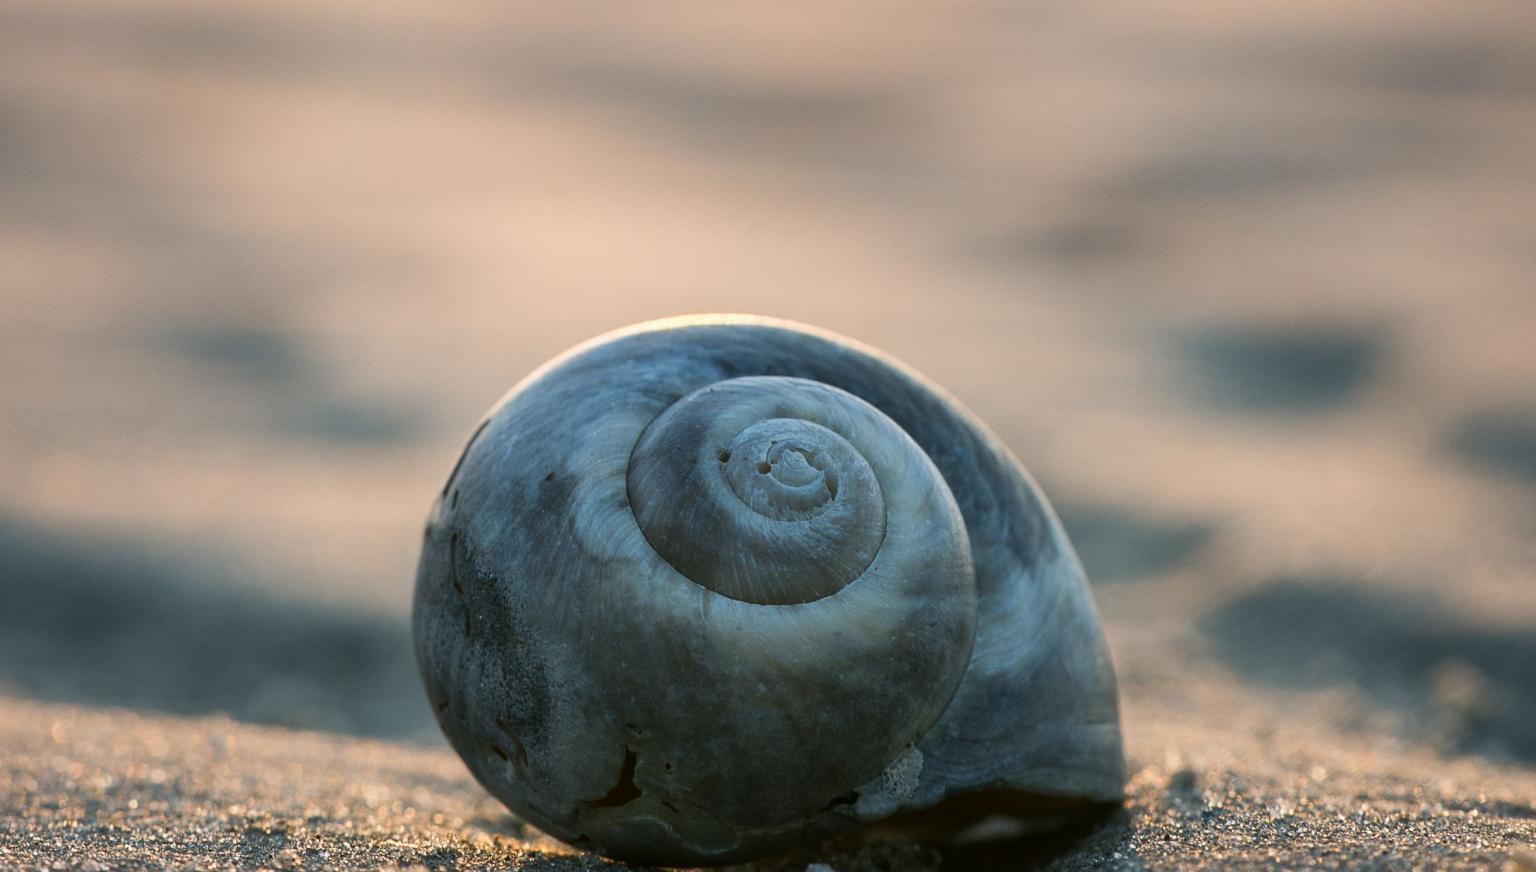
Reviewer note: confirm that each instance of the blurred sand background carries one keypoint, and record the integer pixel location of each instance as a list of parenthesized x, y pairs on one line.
[(1253, 294)]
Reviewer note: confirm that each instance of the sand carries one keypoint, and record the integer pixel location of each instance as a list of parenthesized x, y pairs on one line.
[(1249, 294), (123, 790)]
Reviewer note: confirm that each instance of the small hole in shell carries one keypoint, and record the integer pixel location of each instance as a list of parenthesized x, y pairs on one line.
[(845, 800), (764, 468), (517, 746), (626, 791), (725, 455)]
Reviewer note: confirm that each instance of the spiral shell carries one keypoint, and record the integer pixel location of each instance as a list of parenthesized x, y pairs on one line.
[(706, 588)]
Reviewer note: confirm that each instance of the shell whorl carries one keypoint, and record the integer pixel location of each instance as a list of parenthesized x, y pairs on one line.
[(755, 489)]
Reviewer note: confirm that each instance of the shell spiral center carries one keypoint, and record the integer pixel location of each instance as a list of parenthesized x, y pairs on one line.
[(785, 469), (753, 488)]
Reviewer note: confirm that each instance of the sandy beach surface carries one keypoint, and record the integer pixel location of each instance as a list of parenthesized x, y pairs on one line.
[(1253, 295)]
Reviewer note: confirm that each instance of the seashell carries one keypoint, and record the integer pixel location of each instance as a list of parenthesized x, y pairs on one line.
[(707, 588)]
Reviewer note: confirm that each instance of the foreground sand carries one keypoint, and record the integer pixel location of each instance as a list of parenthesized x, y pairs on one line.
[(111, 789)]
